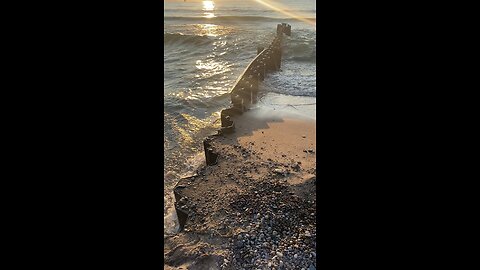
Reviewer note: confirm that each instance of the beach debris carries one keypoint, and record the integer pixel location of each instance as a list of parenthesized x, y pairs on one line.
[(280, 171), (296, 167)]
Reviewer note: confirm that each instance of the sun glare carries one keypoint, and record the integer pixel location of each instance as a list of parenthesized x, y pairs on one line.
[(286, 11), (208, 5)]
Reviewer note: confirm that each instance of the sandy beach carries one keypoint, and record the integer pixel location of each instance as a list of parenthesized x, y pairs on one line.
[(256, 207)]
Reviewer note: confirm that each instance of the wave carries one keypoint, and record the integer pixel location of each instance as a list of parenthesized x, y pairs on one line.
[(292, 85), (235, 19), (301, 51), (310, 59), (237, 9), (178, 38)]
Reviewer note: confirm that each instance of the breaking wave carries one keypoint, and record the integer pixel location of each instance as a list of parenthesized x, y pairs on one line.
[(178, 38)]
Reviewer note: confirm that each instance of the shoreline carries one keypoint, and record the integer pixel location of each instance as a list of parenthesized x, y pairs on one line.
[(272, 107), (288, 106), (259, 196)]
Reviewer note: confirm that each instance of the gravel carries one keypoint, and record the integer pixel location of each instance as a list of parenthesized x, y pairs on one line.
[(264, 225)]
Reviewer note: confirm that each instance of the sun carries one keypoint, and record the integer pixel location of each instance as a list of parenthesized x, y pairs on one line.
[(208, 8), (208, 5)]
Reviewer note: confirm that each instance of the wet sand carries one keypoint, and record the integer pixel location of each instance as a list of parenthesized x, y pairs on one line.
[(256, 207)]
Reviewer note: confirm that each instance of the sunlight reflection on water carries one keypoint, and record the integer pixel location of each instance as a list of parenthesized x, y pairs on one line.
[(209, 7)]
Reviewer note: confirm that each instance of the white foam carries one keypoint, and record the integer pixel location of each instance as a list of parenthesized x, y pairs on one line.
[(171, 224), (286, 106)]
